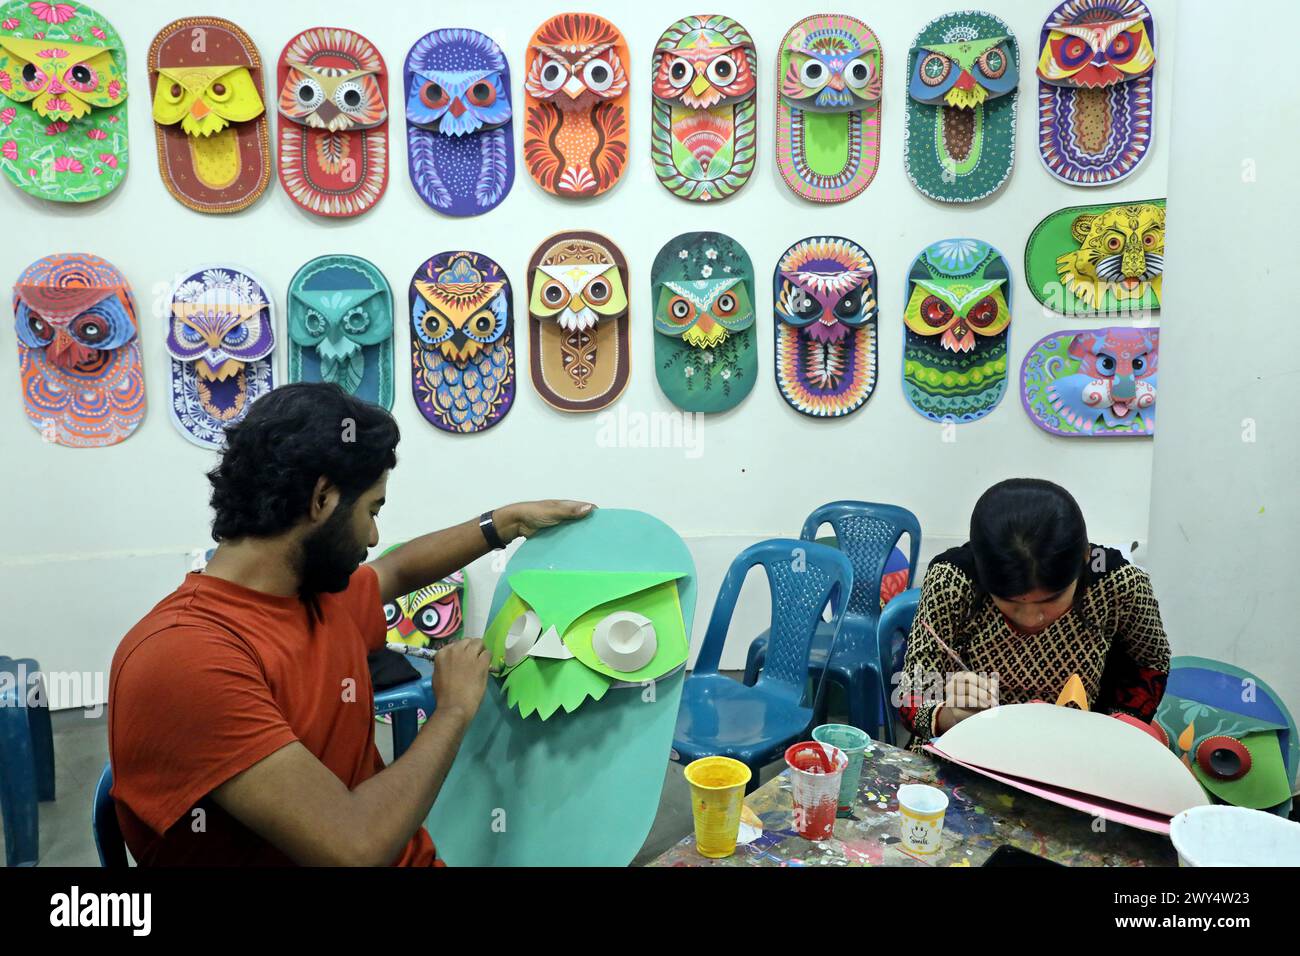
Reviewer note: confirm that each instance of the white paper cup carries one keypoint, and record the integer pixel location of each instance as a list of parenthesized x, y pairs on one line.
[(921, 808), (1220, 835)]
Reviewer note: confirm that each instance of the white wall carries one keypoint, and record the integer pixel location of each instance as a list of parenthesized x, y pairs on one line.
[(1224, 515), (84, 535)]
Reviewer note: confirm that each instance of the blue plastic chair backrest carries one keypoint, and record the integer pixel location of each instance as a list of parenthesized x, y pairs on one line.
[(17, 774), (867, 533), (103, 823), (804, 577), (892, 632)]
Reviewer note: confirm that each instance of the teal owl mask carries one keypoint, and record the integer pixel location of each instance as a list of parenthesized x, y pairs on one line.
[(702, 289), (341, 327)]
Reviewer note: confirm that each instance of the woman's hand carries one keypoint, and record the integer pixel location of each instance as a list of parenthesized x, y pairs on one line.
[(526, 518), (965, 695)]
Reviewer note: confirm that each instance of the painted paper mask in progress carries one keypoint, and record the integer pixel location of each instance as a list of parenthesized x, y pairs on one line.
[(1093, 383)]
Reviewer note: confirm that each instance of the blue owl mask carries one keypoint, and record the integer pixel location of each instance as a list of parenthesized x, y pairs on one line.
[(458, 114)]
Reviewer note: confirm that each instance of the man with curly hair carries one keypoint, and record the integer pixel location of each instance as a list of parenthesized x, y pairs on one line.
[(240, 708)]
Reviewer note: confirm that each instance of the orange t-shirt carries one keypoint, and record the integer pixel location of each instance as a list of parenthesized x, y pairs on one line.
[(219, 676)]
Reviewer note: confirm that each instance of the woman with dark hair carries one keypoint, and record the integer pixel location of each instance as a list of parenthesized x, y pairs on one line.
[(1028, 603)]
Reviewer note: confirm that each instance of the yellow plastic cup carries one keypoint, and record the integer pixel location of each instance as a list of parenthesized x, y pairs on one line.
[(717, 795)]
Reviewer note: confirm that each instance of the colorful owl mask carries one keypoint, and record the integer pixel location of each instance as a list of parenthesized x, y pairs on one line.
[(576, 93), (1106, 260), (62, 101), (828, 107), (1096, 89), (78, 351), (459, 131), (571, 749), (220, 335), (213, 148), (333, 140), (1232, 731), (957, 321), (431, 616), (702, 133), (1093, 383), (702, 294), (578, 303), (462, 342), (824, 291), (963, 70), (341, 327)]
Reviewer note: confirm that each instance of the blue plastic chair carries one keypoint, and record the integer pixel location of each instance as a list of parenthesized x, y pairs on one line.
[(404, 701), (26, 758), (756, 723), (103, 824), (867, 533), (891, 637)]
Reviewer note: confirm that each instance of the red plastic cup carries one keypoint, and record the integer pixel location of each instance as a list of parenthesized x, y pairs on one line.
[(815, 773)]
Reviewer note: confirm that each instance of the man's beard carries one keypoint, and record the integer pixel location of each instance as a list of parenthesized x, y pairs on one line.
[(329, 555)]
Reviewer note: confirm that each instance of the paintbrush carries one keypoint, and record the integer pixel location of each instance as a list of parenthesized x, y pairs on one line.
[(425, 654), (951, 653)]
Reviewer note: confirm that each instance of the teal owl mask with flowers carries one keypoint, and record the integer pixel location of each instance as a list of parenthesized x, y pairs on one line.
[(702, 291)]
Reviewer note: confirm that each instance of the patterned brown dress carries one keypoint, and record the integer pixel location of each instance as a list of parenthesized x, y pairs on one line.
[(1115, 643)]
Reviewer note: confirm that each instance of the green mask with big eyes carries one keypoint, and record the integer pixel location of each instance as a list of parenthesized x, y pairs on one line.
[(561, 637), (341, 327)]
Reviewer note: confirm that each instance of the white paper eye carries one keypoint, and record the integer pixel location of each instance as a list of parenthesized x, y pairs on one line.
[(309, 93), (523, 634), (625, 641), (814, 75), (598, 76), (680, 73), (858, 74), (553, 75)]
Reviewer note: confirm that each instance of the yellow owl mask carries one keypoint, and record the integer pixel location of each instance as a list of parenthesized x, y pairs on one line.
[(205, 99)]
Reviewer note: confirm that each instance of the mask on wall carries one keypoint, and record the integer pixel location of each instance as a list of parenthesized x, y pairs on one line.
[(576, 91), (1093, 383), (78, 351), (462, 342), (341, 327), (1232, 731), (578, 333), (959, 142), (824, 291), (206, 79), (220, 335), (957, 325), (828, 107), (703, 126), (459, 132), (1099, 260), (1096, 88), (333, 154), (702, 293), (572, 740), (62, 101), (431, 616)]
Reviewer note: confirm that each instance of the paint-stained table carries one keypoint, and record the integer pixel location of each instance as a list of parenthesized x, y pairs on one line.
[(982, 816)]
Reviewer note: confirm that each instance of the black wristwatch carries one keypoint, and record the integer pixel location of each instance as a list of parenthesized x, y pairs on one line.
[(489, 529)]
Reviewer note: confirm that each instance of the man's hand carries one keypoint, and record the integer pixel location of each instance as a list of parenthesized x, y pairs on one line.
[(965, 695), (460, 676), (526, 518)]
